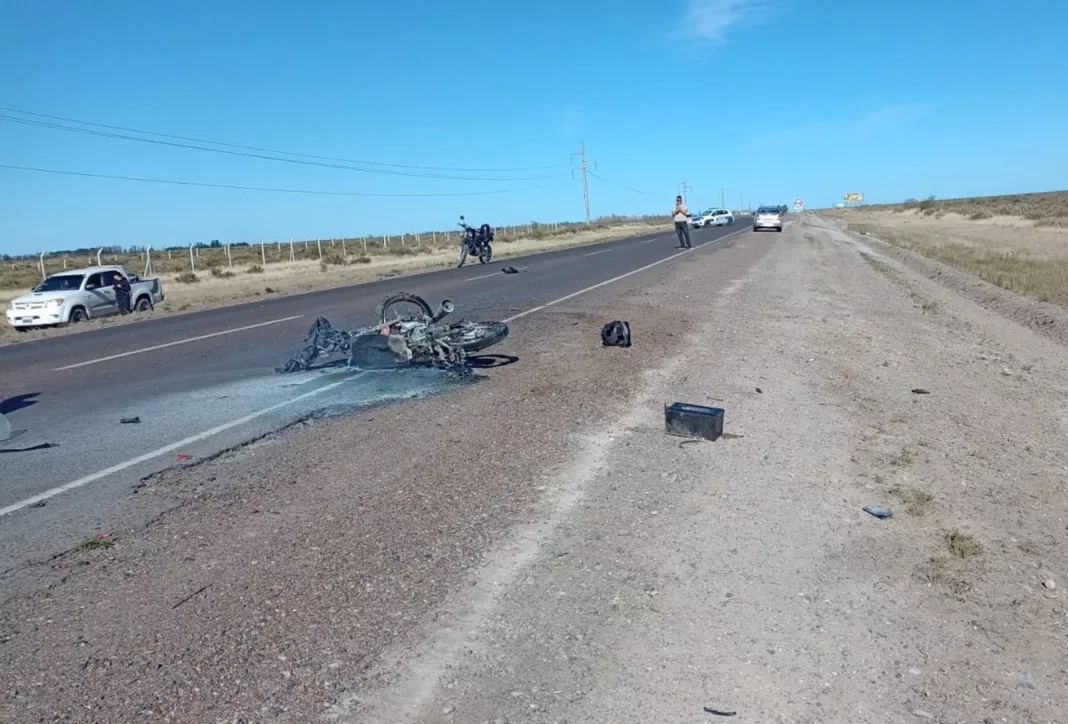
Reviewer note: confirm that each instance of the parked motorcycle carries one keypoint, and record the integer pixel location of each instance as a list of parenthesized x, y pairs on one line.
[(400, 337), (475, 241)]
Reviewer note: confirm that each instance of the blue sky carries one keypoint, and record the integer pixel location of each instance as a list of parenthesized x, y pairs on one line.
[(762, 98)]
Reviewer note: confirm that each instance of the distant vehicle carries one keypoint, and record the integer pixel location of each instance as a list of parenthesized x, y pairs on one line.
[(712, 217), (78, 295), (767, 217)]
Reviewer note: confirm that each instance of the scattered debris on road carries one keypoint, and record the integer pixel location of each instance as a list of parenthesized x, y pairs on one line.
[(616, 334), (719, 712), (920, 391), (759, 391), (510, 270), (130, 420), (881, 513), (693, 421)]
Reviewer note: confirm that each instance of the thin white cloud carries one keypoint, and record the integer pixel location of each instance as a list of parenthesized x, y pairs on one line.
[(709, 20), (877, 123)]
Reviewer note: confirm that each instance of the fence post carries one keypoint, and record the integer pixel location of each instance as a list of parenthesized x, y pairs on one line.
[(319, 243), (40, 263), (385, 243), (98, 253), (229, 259), (64, 262), (263, 253), (149, 269), (292, 254), (363, 242), (192, 261)]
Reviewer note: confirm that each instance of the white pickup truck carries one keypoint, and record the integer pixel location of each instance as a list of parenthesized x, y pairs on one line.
[(80, 294)]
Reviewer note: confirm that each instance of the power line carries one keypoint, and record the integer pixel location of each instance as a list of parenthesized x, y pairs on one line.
[(105, 134), (285, 153), (264, 188), (618, 185)]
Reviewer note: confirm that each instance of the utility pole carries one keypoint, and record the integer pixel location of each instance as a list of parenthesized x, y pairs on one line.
[(684, 187), (583, 161), (722, 199)]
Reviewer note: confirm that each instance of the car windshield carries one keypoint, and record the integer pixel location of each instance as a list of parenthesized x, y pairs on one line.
[(60, 283), (767, 210)]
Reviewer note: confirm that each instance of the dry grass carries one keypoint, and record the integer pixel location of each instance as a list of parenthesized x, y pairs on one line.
[(1019, 243), (221, 285), (1044, 209)]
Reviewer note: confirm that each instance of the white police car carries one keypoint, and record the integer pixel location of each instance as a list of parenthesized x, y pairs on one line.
[(713, 217)]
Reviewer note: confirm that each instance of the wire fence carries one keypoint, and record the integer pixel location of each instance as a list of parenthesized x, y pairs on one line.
[(229, 258)]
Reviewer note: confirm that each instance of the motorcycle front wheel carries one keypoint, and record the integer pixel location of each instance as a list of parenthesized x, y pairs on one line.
[(486, 254), (461, 256), (402, 306)]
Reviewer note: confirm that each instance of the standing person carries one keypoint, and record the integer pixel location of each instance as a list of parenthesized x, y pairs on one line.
[(122, 293), (682, 227)]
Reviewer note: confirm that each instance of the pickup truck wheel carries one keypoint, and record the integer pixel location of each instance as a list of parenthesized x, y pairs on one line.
[(77, 315), (143, 304)]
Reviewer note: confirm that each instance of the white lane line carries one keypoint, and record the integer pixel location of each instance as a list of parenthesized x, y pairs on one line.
[(164, 450), (650, 241), (484, 276), (632, 272), (119, 467), (602, 251), (172, 344)]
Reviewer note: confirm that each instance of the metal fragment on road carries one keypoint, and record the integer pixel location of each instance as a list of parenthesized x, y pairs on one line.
[(719, 712), (130, 420), (880, 513), (920, 391)]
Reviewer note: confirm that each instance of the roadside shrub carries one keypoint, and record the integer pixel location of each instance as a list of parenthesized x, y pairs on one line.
[(187, 277), (254, 269), (220, 273), (362, 260)]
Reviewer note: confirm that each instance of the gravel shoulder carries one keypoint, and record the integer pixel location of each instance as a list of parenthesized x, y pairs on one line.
[(535, 548)]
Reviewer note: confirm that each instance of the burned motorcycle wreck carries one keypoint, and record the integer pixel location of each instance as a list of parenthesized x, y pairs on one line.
[(405, 332)]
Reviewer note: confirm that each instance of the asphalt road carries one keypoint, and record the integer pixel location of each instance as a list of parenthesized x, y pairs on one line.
[(204, 382)]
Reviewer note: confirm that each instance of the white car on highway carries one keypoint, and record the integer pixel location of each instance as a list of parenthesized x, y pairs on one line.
[(80, 294), (767, 217), (713, 217)]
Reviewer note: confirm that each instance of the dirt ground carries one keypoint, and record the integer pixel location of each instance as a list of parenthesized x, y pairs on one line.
[(305, 276), (550, 555)]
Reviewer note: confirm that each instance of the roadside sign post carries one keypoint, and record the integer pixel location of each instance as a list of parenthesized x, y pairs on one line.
[(799, 205)]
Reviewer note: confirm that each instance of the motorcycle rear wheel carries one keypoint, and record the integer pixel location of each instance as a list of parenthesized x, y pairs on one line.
[(486, 255), (475, 336), (387, 310)]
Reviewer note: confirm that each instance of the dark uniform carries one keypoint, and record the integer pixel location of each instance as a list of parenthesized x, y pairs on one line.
[(122, 293)]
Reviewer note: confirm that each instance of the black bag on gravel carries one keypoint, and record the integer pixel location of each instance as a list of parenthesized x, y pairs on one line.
[(615, 334)]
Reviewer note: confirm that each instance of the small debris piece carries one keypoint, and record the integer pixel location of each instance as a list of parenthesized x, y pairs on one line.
[(922, 713), (881, 513), (1049, 583), (920, 391), (510, 270), (130, 420), (760, 391), (183, 456), (38, 504), (720, 712)]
